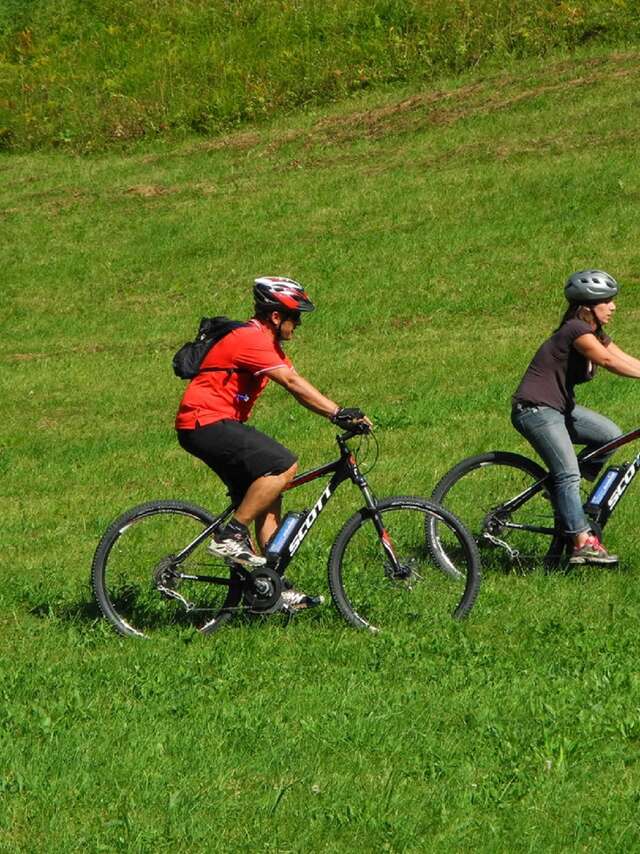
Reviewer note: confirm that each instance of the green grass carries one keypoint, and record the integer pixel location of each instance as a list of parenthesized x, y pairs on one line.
[(89, 76), (434, 232)]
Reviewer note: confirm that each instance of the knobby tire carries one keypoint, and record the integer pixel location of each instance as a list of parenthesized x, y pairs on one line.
[(474, 488), (137, 547), (371, 595)]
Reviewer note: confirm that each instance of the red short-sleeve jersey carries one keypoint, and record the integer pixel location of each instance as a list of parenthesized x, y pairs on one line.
[(214, 395)]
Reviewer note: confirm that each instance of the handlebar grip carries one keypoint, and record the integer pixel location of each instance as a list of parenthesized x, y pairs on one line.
[(347, 418), (356, 429)]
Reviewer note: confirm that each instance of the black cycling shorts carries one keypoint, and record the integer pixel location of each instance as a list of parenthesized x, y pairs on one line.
[(237, 453)]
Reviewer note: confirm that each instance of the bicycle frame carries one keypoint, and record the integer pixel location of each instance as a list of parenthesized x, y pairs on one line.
[(344, 468), (604, 512)]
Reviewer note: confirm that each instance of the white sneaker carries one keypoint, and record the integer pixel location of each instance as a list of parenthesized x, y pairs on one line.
[(237, 549), (295, 600)]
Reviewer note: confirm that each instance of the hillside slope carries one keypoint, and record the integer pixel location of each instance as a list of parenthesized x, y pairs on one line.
[(434, 231), (87, 76)]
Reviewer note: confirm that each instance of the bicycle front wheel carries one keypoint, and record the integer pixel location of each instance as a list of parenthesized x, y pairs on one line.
[(373, 591), (139, 582), (476, 490)]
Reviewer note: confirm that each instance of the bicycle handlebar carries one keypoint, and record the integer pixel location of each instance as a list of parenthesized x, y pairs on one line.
[(359, 428)]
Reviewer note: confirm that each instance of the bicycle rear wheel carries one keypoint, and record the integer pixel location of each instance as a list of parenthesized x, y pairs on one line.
[(137, 580), (475, 490), (371, 593)]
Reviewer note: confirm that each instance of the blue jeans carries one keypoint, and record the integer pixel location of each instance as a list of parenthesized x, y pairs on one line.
[(552, 434)]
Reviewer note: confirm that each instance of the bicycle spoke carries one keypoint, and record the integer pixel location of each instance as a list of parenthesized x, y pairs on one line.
[(372, 591), (138, 584), (476, 493)]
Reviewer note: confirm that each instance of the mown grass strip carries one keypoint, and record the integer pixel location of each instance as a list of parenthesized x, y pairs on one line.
[(88, 76)]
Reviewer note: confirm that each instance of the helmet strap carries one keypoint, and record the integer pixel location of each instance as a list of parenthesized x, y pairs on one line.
[(275, 327)]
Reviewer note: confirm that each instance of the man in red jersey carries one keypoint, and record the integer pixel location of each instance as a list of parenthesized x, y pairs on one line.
[(217, 402)]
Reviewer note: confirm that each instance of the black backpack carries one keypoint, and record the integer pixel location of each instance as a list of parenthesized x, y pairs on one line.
[(187, 361)]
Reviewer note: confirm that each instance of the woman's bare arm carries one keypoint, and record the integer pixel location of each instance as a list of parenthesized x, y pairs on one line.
[(612, 358)]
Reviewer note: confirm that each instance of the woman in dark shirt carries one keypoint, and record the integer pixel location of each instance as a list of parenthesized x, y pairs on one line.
[(544, 407)]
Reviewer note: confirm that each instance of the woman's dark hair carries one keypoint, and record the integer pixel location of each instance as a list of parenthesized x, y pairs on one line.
[(576, 310)]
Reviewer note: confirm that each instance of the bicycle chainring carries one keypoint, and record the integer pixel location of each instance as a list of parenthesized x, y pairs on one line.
[(262, 591)]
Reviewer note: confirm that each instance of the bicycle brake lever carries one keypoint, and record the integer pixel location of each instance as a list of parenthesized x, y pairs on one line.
[(360, 429)]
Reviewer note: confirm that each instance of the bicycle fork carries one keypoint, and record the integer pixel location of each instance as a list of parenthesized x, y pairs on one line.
[(396, 569)]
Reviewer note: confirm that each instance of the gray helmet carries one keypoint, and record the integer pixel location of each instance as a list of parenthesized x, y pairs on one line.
[(590, 286)]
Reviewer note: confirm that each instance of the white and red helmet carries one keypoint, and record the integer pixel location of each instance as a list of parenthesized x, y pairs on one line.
[(277, 293)]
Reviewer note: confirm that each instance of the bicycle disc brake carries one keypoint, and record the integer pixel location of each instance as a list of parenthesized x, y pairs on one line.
[(404, 570), (262, 591)]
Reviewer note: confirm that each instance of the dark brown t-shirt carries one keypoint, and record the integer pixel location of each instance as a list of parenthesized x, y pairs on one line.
[(557, 367)]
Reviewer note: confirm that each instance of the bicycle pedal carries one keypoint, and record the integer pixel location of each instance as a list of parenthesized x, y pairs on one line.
[(287, 609), (288, 613)]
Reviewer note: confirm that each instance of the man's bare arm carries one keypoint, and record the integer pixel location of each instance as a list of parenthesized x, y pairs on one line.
[(304, 392)]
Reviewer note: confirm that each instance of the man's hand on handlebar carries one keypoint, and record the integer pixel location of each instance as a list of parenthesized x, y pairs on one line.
[(349, 419)]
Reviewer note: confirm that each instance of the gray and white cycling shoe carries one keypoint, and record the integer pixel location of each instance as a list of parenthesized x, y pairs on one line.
[(295, 600), (233, 543)]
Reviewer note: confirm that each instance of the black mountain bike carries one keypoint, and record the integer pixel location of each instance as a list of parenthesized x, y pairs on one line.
[(504, 500), (152, 567)]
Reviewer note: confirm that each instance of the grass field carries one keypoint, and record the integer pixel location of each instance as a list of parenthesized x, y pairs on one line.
[(85, 77), (434, 229)]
